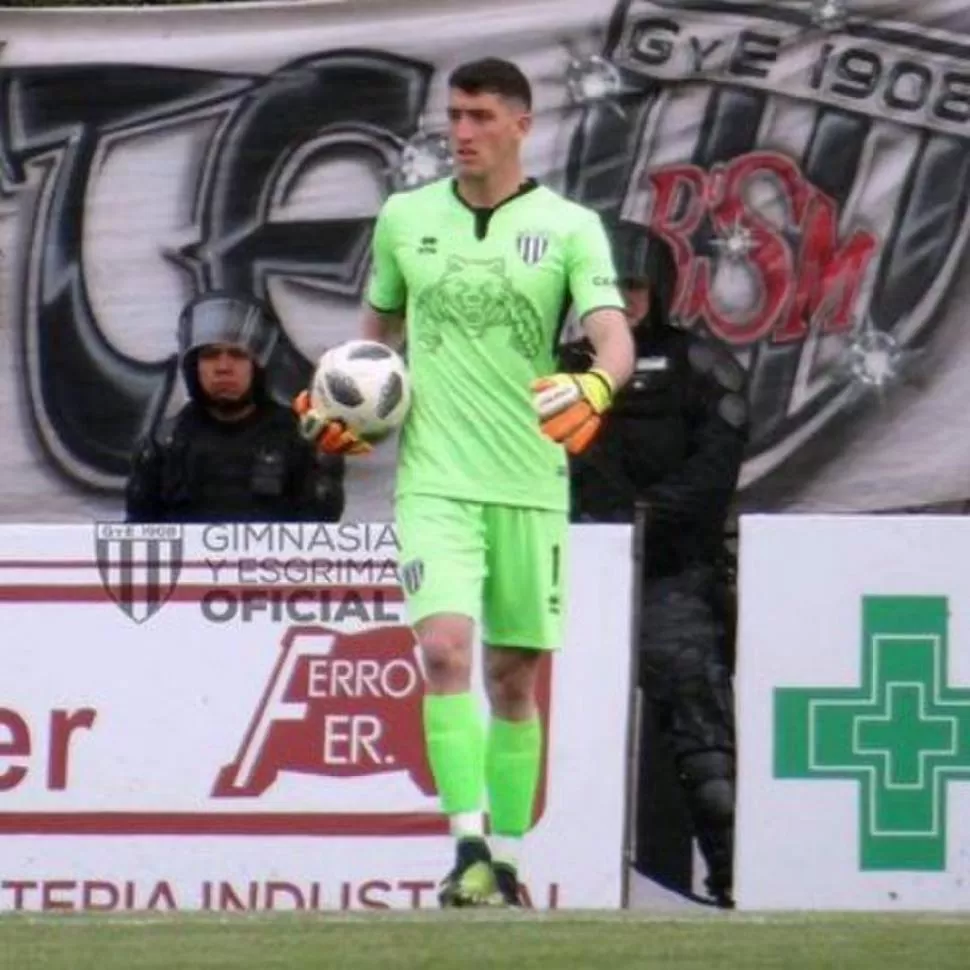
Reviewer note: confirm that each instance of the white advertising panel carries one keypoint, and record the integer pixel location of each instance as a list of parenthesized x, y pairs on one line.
[(229, 717), (854, 713)]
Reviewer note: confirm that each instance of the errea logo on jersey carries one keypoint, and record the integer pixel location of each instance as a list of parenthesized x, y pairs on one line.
[(532, 246)]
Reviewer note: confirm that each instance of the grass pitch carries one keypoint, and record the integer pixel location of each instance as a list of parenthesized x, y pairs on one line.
[(483, 941)]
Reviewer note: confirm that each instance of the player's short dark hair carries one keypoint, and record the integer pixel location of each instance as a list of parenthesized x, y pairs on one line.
[(492, 75)]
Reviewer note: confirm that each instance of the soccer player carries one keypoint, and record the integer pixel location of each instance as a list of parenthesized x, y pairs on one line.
[(481, 270)]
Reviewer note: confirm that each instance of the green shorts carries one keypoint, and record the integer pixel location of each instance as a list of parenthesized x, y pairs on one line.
[(501, 566)]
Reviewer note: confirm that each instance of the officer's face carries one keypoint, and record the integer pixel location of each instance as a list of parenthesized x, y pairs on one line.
[(225, 373), (637, 299)]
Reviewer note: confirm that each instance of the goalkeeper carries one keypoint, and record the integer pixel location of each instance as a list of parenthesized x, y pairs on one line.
[(482, 269)]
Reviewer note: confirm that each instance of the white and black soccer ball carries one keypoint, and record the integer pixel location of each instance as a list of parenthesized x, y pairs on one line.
[(365, 384)]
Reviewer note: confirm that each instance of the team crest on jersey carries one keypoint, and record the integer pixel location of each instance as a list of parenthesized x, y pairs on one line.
[(532, 246)]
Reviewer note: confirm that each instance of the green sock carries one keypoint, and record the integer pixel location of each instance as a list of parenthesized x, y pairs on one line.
[(512, 761), (455, 740)]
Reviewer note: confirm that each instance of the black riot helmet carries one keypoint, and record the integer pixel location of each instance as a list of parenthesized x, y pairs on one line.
[(643, 258), (239, 320)]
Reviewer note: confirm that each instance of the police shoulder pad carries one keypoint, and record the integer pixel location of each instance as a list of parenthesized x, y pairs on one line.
[(710, 359), (165, 431), (733, 409)]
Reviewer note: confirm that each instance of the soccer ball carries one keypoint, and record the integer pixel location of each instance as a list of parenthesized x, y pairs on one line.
[(365, 385)]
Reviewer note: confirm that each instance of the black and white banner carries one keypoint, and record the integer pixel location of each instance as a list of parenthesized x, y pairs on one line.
[(808, 161)]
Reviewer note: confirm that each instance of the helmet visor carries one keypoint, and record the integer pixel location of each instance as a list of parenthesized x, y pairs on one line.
[(227, 320)]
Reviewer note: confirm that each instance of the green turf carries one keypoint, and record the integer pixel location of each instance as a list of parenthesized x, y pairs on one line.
[(482, 941)]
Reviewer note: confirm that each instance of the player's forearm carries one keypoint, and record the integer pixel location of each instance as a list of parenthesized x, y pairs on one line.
[(385, 328), (613, 344)]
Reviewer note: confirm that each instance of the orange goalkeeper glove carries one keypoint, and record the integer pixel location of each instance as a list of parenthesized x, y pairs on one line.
[(329, 435), (570, 407)]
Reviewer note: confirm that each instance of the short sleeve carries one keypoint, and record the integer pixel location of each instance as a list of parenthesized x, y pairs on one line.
[(592, 274), (387, 292)]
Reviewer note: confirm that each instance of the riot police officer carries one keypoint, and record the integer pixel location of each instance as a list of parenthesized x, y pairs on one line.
[(231, 454), (672, 448)]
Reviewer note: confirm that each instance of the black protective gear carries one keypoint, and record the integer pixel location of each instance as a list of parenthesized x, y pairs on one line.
[(685, 674), (227, 318), (672, 446), (683, 667), (674, 440), (197, 468), (708, 779)]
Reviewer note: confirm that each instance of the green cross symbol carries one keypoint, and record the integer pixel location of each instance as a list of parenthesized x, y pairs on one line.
[(902, 735)]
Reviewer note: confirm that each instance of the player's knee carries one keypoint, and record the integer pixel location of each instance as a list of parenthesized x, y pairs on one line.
[(510, 679), (509, 694), (446, 649)]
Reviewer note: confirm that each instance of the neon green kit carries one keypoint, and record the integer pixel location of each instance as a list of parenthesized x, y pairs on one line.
[(482, 495)]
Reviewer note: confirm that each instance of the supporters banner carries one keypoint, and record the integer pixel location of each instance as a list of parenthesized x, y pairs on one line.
[(229, 718), (807, 160)]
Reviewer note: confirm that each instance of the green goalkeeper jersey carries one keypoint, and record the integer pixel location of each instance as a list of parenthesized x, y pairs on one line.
[(485, 294)]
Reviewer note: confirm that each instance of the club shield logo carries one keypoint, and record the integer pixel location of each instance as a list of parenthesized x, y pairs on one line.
[(139, 566)]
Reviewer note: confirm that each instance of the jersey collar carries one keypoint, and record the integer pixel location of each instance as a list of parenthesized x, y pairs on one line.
[(483, 215), (527, 186)]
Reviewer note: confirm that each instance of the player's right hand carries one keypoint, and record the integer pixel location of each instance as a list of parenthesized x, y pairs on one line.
[(329, 435)]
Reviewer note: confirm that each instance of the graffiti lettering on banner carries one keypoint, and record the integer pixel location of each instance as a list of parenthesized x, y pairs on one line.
[(812, 180)]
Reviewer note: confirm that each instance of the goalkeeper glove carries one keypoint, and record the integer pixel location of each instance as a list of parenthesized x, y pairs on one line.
[(570, 406), (329, 435)]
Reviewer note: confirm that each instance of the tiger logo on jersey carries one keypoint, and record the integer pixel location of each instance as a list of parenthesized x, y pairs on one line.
[(477, 295)]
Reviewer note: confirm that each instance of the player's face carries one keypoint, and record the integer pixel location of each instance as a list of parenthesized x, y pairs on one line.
[(636, 296), (486, 131), (225, 372)]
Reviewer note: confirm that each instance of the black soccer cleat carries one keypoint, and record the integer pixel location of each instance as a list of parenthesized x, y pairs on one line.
[(507, 891), (472, 881)]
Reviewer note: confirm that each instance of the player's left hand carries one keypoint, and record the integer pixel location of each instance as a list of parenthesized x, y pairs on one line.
[(570, 407)]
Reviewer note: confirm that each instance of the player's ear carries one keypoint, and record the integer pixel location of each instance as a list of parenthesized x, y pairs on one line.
[(524, 123)]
